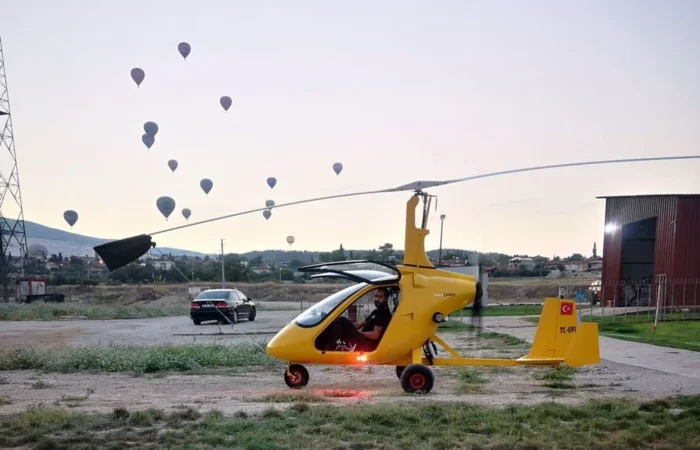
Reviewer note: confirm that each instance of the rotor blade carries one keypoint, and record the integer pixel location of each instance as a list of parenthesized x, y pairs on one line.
[(557, 166), (418, 185), (250, 211), (123, 251)]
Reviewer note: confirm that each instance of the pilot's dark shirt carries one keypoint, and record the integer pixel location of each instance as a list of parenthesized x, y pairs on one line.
[(380, 317)]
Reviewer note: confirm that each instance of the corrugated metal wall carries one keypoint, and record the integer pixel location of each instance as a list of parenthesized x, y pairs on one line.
[(625, 210), (686, 264)]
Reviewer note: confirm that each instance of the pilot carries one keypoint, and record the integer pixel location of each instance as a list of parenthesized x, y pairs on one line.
[(366, 333)]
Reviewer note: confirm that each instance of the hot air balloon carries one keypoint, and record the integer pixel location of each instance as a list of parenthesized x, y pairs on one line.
[(206, 184), (71, 217), (184, 49), (290, 240), (272, 181), (269, 203), (337, 168), (166, 205), (225, 102), (137, 75), (267, 213), (151, 128), (172, 164), (148, 140), (186, 213)]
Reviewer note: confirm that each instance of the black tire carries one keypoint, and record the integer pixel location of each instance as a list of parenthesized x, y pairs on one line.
[(399, 371), (251, 317), (234, 317), (196, 322), (299, 378), (417, 378)]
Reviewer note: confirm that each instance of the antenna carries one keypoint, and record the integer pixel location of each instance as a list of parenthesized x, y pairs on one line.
[(12, 231)]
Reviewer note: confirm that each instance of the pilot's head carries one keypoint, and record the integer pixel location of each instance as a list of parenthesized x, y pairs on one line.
[(380, 297)]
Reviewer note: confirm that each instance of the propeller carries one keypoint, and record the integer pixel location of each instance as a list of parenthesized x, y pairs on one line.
[(114, 259)]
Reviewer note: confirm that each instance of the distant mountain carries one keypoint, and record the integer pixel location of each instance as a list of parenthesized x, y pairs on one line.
[(58, 241)]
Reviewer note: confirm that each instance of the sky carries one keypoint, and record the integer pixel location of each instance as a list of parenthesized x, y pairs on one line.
[(396, 91)]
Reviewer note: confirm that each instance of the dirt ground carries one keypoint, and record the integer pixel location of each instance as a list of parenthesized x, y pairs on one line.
[(253, 390), (500, 290)]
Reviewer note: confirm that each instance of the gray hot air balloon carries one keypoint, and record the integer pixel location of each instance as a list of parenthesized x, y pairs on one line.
[(166, 205), (186, 213), (269, 203), (137, 75), (206, 184), (184, 49), (151, 128), (272, 181), (267, 213), (290, 240), (71, 217), (337, 168), (225, 102), (172, 164), (148, 140)]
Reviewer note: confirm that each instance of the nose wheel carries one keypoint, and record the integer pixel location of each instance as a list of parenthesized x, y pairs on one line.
[(296, 376)]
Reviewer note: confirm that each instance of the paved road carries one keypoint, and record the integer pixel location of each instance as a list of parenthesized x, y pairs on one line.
[(664, 359), (155, 331)]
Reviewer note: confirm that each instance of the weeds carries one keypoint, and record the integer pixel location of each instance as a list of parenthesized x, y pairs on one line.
[(610, 424), (139, 360), (470, 381), (5, 400), (46, 311), (557, 378)]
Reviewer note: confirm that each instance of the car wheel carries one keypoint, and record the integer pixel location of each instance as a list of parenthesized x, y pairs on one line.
[(251, 317), (234, 316), (196, 322)]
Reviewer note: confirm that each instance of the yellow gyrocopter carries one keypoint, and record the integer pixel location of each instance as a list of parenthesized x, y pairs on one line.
[(421, 298)]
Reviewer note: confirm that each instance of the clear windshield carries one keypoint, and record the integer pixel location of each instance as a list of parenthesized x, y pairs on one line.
[(316, 313)]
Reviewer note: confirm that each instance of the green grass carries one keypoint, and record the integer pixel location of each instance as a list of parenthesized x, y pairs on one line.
[(681, 334), (49, 311), (454, 324), (470, 381), (611, 424), (557, 378), (116, 358)]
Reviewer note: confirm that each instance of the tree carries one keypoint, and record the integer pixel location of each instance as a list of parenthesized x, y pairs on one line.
[(576, 257)]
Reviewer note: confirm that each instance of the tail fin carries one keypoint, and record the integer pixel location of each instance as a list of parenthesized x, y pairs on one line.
[(559, 338)]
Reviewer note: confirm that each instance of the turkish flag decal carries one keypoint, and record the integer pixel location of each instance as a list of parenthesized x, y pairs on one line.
[(567, 309)]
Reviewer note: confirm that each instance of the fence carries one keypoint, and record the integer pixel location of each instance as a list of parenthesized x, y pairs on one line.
[(667, 299)]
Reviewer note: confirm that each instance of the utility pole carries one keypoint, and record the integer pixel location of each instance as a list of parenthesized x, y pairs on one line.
[(223, 278), (442, 223)]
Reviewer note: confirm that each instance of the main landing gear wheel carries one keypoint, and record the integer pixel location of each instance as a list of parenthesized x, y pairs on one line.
[(399, 371), (299, 376), (417, 378)]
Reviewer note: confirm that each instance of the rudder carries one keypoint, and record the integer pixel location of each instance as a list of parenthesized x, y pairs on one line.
[(555, 331)]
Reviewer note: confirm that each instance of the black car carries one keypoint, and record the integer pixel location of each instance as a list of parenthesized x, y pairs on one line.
[(214, 304)]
